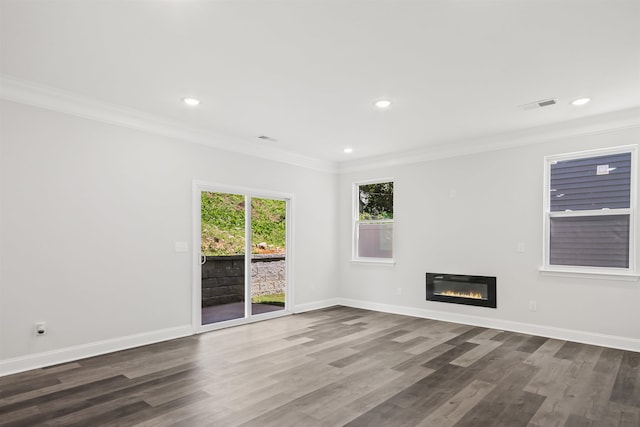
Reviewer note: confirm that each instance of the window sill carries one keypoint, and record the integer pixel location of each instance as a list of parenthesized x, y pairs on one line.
[(586, 274), (375, 262)]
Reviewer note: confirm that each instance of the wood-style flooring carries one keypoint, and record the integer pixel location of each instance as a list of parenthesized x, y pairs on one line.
[(334, 367)]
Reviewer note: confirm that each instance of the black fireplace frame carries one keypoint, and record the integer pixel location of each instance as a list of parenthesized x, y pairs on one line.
[(489, 281)]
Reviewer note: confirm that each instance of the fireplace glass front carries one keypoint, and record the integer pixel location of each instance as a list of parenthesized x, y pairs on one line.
[(462, 289)]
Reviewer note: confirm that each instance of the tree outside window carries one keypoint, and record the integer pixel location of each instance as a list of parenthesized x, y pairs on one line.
[(373, 225)]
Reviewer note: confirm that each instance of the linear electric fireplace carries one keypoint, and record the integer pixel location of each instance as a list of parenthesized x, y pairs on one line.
[(462, 289)]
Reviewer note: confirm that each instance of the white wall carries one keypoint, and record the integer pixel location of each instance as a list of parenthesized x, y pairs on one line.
[(90, 213), (498, 203)]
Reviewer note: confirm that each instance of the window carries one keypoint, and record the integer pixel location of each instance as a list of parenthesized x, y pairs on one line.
[(373, 221), (590, 211)]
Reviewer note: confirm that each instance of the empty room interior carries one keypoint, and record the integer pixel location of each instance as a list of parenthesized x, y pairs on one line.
[(319, 213)]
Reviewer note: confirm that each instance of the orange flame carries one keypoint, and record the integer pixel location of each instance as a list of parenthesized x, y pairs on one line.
[(473, 295)]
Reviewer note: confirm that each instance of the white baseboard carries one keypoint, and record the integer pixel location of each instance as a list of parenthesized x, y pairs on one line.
[(39, 360), (49, 358), (316, 305), (622, 343), (55, 357)]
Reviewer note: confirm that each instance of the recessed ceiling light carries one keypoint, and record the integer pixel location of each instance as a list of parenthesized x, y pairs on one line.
[(383, 103), (191, 101), (348, 150), (580, 101)]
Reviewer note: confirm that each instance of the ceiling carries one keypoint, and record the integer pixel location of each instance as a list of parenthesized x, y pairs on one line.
[(306, 73)]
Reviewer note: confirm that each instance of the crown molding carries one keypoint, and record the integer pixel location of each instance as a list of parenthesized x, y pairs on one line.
[(37, 95), (602, 123)]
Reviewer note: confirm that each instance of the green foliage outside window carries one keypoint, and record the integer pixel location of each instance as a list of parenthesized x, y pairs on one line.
[(376, 201)]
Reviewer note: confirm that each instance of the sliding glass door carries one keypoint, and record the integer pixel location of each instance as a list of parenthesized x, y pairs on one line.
[(223, 250), (269, 255), (243, 261)]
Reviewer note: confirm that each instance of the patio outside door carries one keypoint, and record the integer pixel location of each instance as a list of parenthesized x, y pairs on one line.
[(268, 255), (223, 249), (243, 261)]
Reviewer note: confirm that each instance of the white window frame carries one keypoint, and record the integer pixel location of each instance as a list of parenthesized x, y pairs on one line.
[(583, 271), (355, 197)]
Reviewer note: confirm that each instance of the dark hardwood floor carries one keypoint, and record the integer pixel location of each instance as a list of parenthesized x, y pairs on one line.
[(334, 367)]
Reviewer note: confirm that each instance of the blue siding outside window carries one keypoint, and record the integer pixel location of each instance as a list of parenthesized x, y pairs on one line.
[(576, 185), (590, 211), (590, 241)]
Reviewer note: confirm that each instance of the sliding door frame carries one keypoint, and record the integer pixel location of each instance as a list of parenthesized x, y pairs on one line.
[(249, 193)]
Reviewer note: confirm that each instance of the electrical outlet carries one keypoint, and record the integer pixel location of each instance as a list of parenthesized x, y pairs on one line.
[(41, 328), (399, 291), (533, 306)]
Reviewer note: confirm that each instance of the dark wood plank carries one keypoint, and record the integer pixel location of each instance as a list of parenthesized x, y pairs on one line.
[(532, 344), (61, 395), (507, 404), (28, 384), (448, 356), (465, 336), (626, 389), (424, 357), (569, 350), (578, 421)]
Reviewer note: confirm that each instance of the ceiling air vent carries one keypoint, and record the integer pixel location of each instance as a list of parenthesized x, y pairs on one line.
[(539, 104), (267, 138)]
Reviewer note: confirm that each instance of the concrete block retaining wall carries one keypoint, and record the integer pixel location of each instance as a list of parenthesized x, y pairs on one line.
[(223, 277)]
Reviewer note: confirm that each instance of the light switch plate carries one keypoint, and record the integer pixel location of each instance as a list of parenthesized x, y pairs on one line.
[(181, 247)]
